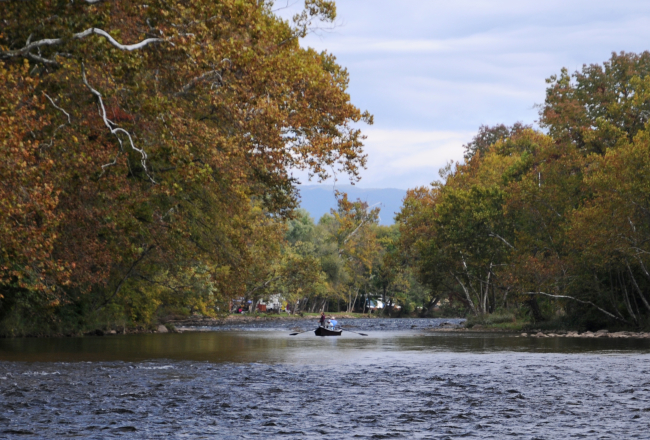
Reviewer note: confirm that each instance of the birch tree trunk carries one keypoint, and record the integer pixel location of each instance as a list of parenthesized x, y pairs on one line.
[(467, 295)]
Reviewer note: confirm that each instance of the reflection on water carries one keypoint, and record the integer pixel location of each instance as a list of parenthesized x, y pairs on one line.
[(277, 346), (267, 384)]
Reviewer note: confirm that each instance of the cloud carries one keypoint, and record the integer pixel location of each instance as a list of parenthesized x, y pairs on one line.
[(529, 39), (406, 158), (433, 72), (411, 155)]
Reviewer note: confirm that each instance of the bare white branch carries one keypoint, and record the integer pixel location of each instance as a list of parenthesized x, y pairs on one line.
[(26, 51), (206, 76), (90, 2), (468, 297), (60, 126), (575, 299), (492, 234), (114, 42), (110, 164), (37, 58), (58, 108), (117, 130)]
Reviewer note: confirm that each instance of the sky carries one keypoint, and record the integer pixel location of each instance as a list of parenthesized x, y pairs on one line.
[(431, 72)]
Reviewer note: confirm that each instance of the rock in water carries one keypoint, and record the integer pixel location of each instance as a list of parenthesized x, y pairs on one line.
[(162, 329)]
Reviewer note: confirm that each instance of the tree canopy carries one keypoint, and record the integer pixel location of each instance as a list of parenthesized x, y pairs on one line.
[(548, 223), (148, 148)]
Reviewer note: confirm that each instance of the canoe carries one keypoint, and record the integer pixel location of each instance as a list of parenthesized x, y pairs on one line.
[(322, 331)]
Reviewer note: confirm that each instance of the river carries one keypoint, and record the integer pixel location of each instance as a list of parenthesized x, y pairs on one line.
[(256, 381)]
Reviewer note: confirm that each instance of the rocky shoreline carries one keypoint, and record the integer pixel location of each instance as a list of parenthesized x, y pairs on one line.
[(202, 321), (180, 324), (598, 334), (548, 334)]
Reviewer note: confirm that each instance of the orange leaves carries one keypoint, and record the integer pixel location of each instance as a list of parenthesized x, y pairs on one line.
[(223, 113), (27, 201), (601, 105)]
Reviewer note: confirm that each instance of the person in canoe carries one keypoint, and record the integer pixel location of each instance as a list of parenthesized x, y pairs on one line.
[(322, 319), (332, 324)]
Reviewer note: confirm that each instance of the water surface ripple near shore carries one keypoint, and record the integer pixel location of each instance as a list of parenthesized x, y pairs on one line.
[(363, 324), (395, 383), (444, 396)]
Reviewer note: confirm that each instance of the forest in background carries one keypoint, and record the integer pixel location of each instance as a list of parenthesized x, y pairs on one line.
[(554, 225), (145, 171)]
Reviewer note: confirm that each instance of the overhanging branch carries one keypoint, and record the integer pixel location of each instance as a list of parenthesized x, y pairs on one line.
[(115, 130), (60, 126), (126, 276), (492, 234), (26, 50), (114, 42), (578, 300)]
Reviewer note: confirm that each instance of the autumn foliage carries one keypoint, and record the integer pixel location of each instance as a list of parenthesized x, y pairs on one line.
[(552, 224), (147, 151)]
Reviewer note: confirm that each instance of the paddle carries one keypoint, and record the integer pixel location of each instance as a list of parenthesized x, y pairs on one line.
[(297, 333), (362, 334)]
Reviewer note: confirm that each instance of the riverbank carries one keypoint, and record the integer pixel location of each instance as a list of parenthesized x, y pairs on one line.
[(204, 321), (258, 321), (413, 384), (548, 334), (598, 334), (171, 324)]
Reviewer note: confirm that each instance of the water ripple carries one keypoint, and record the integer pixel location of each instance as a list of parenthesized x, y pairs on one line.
[(428, 396)]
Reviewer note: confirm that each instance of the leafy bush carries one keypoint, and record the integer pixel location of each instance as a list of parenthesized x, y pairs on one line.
[(495, 318)]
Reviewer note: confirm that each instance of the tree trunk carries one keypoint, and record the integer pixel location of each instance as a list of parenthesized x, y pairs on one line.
[(349, 300), (467, 295), (351, 309), (487, 291), (612, 296), (636, 286), (534, 308), (430, 305), (645, 271), (628, 305)]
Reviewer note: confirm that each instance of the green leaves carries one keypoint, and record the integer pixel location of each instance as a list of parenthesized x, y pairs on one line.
[(562, 215), (600, 105), (180, 137)]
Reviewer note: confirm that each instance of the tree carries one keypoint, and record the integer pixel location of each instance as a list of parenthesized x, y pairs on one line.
[(557, 221), (611, 231), (28, 201), (600, 105), (356, 242), (168, 133), (488, 136)]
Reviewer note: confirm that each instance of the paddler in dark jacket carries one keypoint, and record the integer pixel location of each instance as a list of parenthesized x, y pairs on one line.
[(322, 319)]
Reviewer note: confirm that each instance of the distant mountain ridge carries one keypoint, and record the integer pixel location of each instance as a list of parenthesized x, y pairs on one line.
[(319, 199)]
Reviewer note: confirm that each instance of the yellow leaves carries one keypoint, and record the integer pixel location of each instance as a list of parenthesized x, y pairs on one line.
[(220, 153)]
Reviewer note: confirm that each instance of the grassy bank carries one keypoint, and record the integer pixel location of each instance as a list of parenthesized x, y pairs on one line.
[(74, 325), (514, 323)]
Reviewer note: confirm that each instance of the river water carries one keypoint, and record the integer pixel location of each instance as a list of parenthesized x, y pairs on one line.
[(256, 381)]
